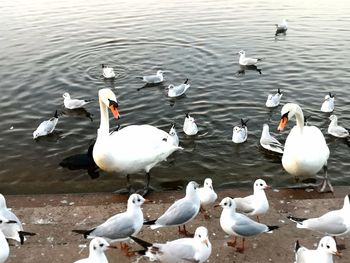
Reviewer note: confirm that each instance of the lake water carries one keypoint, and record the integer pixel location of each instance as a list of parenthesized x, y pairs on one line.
[(51, 47)]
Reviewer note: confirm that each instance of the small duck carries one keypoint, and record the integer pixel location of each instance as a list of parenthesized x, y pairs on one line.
[(72, 104), (322, 254), (335, 130), (282, 27), (173, 138), (97, 249), (244, 61), (255, 204), (328, 103), (107, 72), (207, 195), (176, 91), (240, 134), (190, 127), (46, 127), (274, 100), (154, 79), (268, 142)]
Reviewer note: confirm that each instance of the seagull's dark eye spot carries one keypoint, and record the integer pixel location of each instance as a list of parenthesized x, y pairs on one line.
[(94, 248), (261, 184), (225, 203), (139, 200), (328, 246), (321, 245), (133, 201), (0, 221), (199, 236), (101, 245)]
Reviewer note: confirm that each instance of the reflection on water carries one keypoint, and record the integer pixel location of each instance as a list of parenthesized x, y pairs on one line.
[(49, 49)]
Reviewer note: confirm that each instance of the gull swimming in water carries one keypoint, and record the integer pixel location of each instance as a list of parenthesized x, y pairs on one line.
[(107, 72), (282, 27), (72, 104), (334, 223), (322, 254), (154, 79), (15, 230), (173, 138), (274, 100), (328, 103), (240, 133), (181, 212), (335, 130), (207, 195), (97, 249), (244, 61), (176, 91), (120, 226), (196, 249), (46, 127), (268, 142), (255, 204), (239, 225), (190, 126)]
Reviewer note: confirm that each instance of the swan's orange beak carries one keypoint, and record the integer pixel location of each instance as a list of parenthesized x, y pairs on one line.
[(283, 123), (114, 109)]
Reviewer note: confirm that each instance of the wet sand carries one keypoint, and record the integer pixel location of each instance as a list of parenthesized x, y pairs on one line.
[(53, 217)]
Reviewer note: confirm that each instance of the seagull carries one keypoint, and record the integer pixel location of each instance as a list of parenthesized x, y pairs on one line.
[(335, 130), (4, 246), (274, 100), (244, 61), (239, 225), (46, 127), (15, 230), (154, 79), (323, 254), (120, 226), (282, 27), (328, 103), (334, 223), (173, 138), (255, 204), (74, 103), (180, 212), (268, 142), (240, 134), (107, 72), (196, 249), (176, 91), (97, 249), (190, 126), (207, 195)]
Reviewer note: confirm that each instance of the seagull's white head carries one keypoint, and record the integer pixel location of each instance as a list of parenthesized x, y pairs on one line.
[(172, 131), (192, 188), (208, 183), (333, 117), (260, 184), (66, 95), (241, 53), (160, 72), (328, 245), (228, 203), (201, 234), (98, 245), (2, 201), (135, 200)]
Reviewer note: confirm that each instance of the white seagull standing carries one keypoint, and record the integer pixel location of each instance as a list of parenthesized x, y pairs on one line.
[(4, 246), (97, 249), (154, 79), (335, 130), (274, 100), (72, 104), (239, 225), (196, 249), (305, 150), (244, 61), (207, 195), (176, 91), (120, 226), (173, 138), (328, 103), (334, 223), (190, 126), (282, 27), (180, 212), (240, 133), (268, 142), (15, 230), (107, 72), (323, 254), (46, 127), (255, 204)]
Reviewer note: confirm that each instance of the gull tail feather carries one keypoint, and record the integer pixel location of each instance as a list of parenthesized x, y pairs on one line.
[(83, 232)]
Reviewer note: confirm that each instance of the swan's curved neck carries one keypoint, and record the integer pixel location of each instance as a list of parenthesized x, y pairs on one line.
[(299, 116), (104, 122)]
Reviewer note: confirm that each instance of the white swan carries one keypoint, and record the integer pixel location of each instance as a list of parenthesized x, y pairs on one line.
[(335, 130), (132, 149), (268, 142), (107, 72), (305, 149), (328, 103)]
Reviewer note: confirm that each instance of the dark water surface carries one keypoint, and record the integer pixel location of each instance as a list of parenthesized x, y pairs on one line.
[(51, 47)]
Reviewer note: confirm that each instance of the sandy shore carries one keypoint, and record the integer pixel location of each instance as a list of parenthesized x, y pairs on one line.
[(53, 217)]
